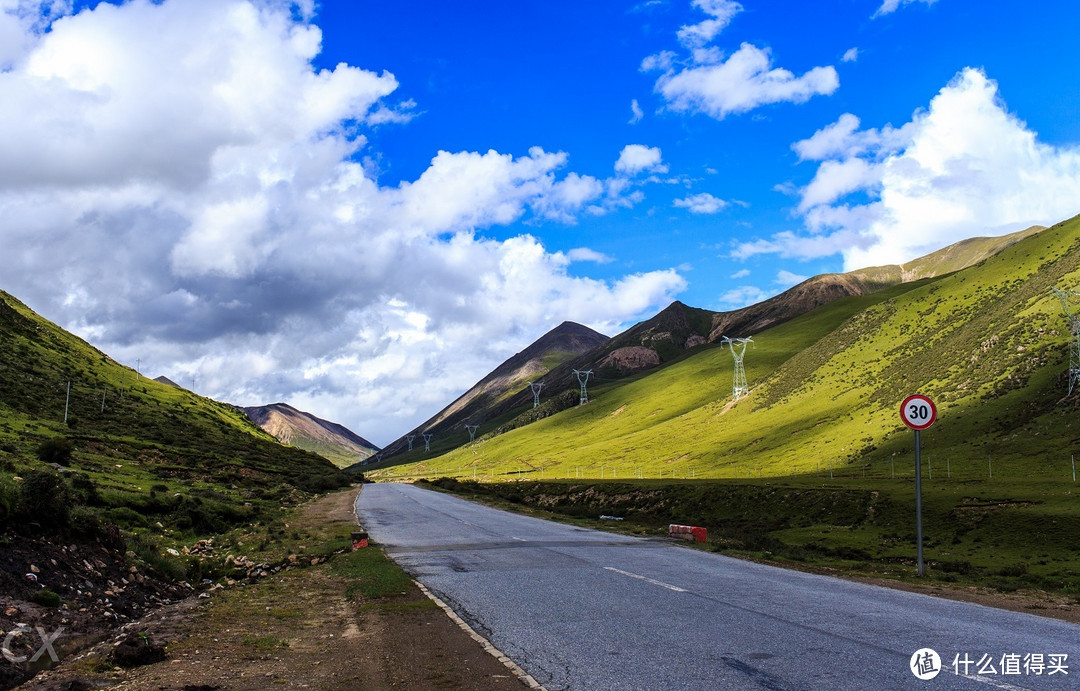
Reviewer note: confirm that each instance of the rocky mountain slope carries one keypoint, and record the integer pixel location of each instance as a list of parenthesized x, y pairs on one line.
[(330, 440)]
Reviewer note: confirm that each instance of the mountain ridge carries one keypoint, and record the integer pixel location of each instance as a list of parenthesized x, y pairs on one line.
[(294, 427)]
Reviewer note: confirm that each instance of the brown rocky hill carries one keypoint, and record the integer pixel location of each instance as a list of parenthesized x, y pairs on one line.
[(296, 428)]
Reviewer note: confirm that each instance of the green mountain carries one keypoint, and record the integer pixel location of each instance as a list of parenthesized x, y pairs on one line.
[(330, 440), (675, 333), (125, 434), (988, 342)]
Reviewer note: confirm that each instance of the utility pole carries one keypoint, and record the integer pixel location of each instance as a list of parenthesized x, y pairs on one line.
[(472, 431), (103, 393), (1073, 317), (739, 387), (582, 377), (536, 393), (67, 401), (427, 442)]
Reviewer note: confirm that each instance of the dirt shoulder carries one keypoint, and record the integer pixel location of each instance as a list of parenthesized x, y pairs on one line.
[(352, 622)]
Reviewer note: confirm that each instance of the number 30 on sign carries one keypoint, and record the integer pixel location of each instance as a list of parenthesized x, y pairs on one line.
[(918, 412)]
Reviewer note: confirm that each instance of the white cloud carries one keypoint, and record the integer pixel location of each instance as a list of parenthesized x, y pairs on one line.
[(636, 114), (963, 167), (584, 254), (890, 6), (787, 279), (201, 176), (740, 297), (850, 55), (742, 82), (703, 203), (721, 13), (741, 273), (637, 158)]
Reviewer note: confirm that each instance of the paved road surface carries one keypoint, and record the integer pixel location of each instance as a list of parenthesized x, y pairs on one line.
[(581, 609)]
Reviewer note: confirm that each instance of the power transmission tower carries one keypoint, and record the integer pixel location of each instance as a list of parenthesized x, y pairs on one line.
[(1072, 313), (582, 377), (472, 431), (427, 442), (536, 393), (738, 350), (410, 438)]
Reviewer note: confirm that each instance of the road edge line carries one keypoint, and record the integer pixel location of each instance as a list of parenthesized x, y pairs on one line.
[(523, 676)]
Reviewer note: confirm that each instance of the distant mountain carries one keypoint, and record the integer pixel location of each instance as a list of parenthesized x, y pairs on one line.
[(508, 383), (330, 440), (823, 289)]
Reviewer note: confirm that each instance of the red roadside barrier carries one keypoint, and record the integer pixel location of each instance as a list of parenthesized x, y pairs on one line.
[(687, 532)]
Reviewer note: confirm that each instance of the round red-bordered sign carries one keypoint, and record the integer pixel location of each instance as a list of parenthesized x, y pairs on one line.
[(918, 412)]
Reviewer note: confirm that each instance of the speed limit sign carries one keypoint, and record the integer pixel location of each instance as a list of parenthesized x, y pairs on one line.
[(918, 412)]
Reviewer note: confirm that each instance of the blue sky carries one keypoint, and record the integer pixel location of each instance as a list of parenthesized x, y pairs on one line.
[(361, 208), (564, 76)]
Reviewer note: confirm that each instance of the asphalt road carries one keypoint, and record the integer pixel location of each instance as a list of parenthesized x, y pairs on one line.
[(582, 609)]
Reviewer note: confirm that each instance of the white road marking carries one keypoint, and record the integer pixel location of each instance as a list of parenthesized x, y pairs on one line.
[(647, 579), (992, 682)]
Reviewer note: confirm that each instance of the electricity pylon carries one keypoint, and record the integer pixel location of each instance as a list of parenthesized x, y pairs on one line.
[(472, 431), (739, 387), (427, 442), (1071, 314), (536, 393), (582, 377), (409, 439)]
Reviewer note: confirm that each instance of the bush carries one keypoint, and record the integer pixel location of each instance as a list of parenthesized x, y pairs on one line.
[(46, 598), (44, 498), (85, 521), (55, 450)]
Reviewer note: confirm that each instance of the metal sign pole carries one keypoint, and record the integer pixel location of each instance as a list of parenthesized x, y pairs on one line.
[(918, 503)]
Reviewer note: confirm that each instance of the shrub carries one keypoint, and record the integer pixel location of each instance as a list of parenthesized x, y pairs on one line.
[(44, 498), (55, 450), (46, 598), (85, 521)]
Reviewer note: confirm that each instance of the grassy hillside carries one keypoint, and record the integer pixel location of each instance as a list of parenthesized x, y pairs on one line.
[(133, 452), (988, 343)]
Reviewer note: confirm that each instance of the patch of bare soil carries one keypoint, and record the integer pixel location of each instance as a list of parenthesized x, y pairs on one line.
[(295, 629)]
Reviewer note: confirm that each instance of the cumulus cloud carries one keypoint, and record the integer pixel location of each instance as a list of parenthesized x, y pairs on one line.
[(638, 158), (964, 166), (741, 273), (850, 55), (636, 113), (703, 203), (709, 81), (201, 177), (741, 296)]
